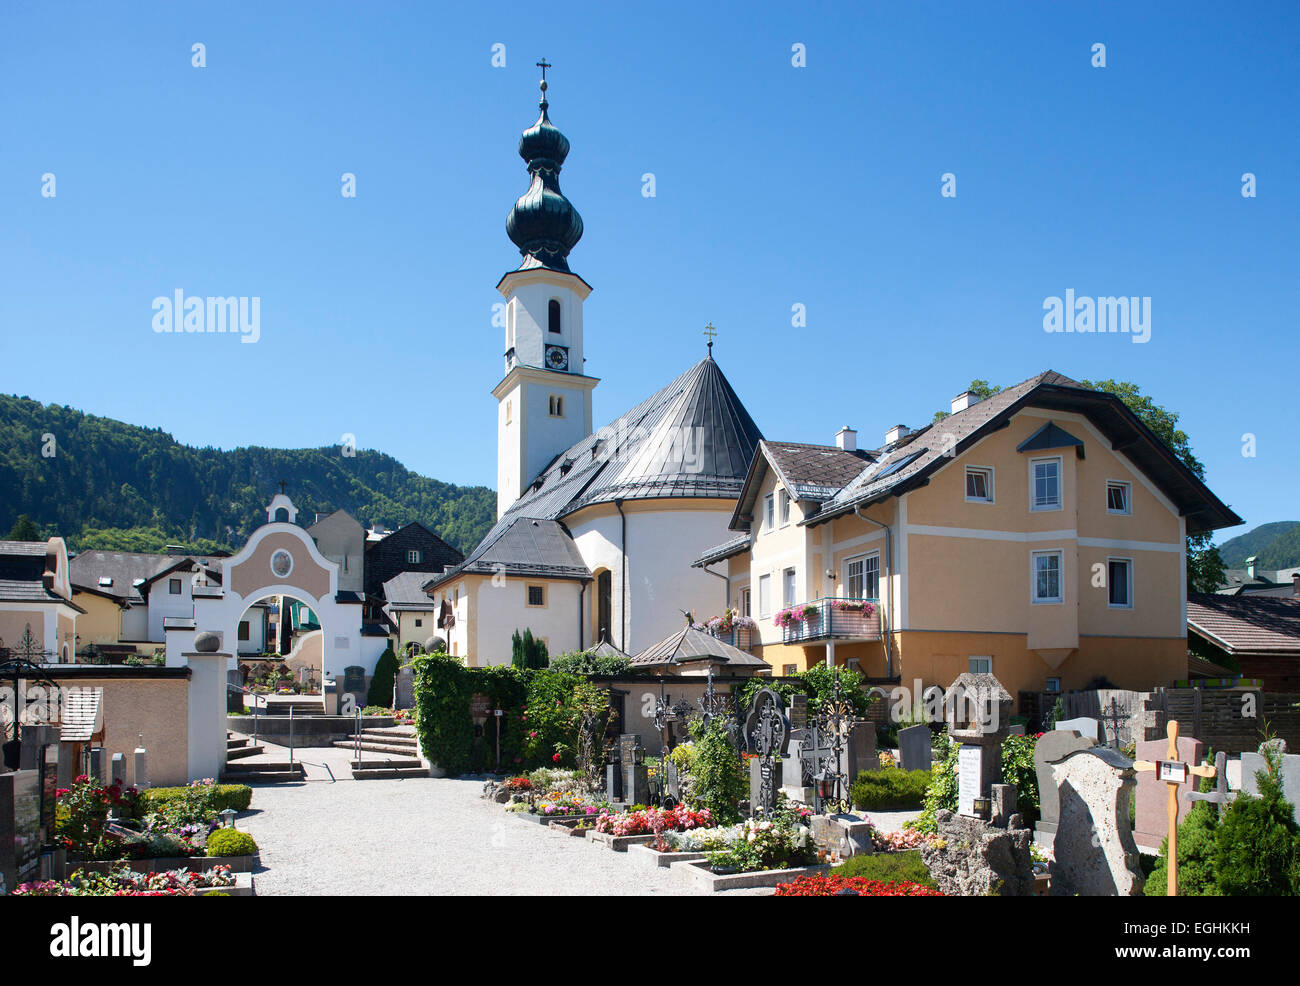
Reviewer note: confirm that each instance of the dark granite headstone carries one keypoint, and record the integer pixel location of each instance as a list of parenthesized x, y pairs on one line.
[(914, 747), (20, 827), (797, 711)]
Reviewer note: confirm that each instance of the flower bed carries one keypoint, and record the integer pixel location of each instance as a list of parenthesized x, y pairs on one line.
[(830, 885), (653, 821), (123, 882)]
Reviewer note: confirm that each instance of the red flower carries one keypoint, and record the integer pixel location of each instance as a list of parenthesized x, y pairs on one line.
[(555, 758), (828, 885)]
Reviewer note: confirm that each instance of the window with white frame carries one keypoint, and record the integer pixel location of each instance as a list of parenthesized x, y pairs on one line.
[(1119, 583), (979, 484), (414, 556), (764, 595), (785, 508), (1047, 577), (980, 665), (745, 602), (1119, 497), (788, 587), (769, 512), (1045, 484), (862, 577)]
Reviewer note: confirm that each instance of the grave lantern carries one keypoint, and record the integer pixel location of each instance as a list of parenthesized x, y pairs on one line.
[(227, 816)]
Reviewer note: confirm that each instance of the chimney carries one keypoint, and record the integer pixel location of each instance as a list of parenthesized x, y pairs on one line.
[(895, 433), (1250, 566), (964, 400), (847, 439), (1295, 584)]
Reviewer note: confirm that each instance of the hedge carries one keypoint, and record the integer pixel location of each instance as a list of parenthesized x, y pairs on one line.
[(888, 867), (890, 788), (221, 796)]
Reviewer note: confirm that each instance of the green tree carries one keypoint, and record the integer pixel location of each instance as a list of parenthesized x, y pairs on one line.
[(528, 652), (1204, 566), (382, 681), (25, 529), (1257, 845)]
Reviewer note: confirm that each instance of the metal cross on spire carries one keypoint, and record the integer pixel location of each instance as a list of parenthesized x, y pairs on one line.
[(283, 484), (710, 332), (543, 65)]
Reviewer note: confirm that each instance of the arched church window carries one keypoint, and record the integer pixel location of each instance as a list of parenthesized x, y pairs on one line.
[(510, 324), (553, 314)]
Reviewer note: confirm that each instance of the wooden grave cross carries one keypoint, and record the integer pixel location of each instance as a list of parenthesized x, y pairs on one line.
[(1173, 772)]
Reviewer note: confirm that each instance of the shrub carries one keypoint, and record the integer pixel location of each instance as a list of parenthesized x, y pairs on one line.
[(382, 681), (1195, 856), (589, 664), (1257, 845), (942, 793), (890, 788), (442, 719), (230, 842), (1018, 769), (888, 867), (720, 779)]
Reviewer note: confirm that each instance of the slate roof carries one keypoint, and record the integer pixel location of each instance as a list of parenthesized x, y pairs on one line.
[(692, 438), (723, 551), (1246, 624), (406, 591), (906, 464), (22, 573), (690, 644), (522, 546), (606, 649), (125, 568)]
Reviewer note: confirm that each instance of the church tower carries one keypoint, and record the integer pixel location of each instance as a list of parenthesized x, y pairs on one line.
[(544, 400)]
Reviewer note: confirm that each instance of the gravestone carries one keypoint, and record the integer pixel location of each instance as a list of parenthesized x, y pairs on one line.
[(795, 785), (1050, 749), (844, 835), (636, 780), (914, 747), (1084, 725), (979, 717), (354, 684), (98, 770), (1153, 793), (613, 773), (1252, 763), (859, 752), (1094, 851), (797, 711), (974, 858), (118, 773), (20, 828), (766, 727)]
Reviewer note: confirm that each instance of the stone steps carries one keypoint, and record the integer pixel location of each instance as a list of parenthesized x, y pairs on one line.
[(265, 772), (371, 746), (239, 752), (387, 769)]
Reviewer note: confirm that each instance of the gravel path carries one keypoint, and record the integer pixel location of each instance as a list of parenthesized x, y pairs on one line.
[(422, 836)]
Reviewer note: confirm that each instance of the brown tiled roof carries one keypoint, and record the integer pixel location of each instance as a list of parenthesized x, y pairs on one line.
[(82, 712), (814, 472), (1246, 624)]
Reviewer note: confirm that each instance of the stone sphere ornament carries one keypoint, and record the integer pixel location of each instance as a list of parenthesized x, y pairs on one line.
[(207, 642)]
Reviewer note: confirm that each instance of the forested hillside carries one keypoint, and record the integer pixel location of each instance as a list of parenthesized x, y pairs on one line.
[(114, 485)]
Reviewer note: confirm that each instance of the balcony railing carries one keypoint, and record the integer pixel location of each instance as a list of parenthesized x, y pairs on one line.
[(742, 638), (830, 619)]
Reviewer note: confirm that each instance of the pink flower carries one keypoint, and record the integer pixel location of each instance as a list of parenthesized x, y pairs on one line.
[(555, 758)]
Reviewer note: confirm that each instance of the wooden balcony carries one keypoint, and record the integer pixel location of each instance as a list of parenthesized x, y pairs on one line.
[(830, 619)]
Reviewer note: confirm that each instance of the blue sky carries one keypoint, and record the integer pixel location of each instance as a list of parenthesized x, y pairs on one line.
[(775, 185)]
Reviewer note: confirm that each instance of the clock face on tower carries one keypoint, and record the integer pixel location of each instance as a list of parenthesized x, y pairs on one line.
[(557, 358)]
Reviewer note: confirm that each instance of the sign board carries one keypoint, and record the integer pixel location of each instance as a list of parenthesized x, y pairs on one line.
[(969, 765), (1173, 771), (478, 706)]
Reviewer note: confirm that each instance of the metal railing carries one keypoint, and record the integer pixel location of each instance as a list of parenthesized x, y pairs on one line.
[(831, 618)]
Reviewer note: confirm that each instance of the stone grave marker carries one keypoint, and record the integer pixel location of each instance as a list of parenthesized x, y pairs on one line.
[(1084, 725), (1050, 749), (1252, 763), (119, 769), (797, 711), (914, 747), (1152, 819), (20, 827), (1094, 852), (859, 752), (636, 779), (613, 772), (979, 719)]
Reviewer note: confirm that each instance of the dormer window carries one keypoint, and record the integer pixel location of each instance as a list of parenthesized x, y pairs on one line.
[(553, 315)]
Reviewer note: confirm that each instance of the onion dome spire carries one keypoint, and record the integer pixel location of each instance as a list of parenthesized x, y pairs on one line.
[(543, 223)]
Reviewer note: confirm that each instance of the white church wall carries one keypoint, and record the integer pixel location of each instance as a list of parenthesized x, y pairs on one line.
[(502, 609), (661, 544)]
